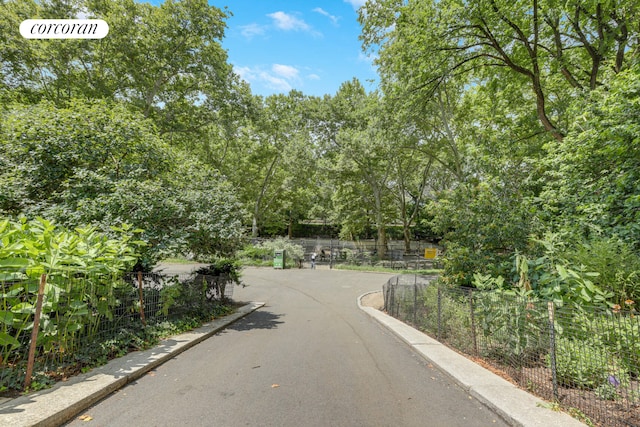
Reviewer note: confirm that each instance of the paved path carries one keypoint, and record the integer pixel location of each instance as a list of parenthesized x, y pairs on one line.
[(309, 357)]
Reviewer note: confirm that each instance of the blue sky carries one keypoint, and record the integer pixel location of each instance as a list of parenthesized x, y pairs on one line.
[(311, 46)]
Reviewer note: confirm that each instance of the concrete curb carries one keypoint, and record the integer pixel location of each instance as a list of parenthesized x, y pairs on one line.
[(59, 404), (515, 406)]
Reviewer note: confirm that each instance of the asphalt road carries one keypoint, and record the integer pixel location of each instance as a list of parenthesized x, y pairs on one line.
[(310, 357)]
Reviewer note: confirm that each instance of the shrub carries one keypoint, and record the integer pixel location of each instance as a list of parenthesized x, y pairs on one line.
[(455, 320), (255, 253), (616, 264), (295, 253), (210, 282), (586, 364)]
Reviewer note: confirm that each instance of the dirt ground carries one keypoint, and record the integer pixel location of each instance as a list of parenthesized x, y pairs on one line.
[(375, 300)]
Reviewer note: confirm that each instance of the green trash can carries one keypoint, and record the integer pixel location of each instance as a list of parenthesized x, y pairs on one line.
[(279, 258)]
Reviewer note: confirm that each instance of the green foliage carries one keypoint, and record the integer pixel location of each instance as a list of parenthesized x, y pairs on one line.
[(511, 320), (208, 284), (424, 44), (294, 252), (615, 330), (554, 278), (593, 176), (111, 169), (82, 269), (229, 268), (170, 295), (256, 253), (31, 248), (454, 319), (586, 364), (615, 264), (482, 225), (550, 277)]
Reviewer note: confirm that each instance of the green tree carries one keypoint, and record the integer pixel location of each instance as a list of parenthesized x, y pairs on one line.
[(100, 163), (548, 48), (361, 163), (165, 60), (593, 180), (269, 158)]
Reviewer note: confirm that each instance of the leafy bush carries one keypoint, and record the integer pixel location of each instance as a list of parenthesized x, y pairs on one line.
[(210, 283), (616, 264), (74, 302), (295, 253), (111, 169), (481, 225), (617, 332), (586, 364), (511, 319), (455, 321), (255, 253)]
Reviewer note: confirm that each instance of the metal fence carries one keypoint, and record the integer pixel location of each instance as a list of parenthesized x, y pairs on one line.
[(586, 360), (53, 327), (363, 252)]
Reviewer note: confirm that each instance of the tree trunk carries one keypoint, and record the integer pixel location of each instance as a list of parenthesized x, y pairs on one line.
[(254, 227), (407, 238), (382, 241)]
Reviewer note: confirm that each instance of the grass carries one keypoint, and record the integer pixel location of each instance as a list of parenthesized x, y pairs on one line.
[(179, 260), (378, 269)]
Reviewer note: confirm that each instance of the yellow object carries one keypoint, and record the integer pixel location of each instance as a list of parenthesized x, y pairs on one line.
[(430, 253)]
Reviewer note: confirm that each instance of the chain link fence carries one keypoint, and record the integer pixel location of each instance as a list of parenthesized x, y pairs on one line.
[(54, 327), (585, 360)]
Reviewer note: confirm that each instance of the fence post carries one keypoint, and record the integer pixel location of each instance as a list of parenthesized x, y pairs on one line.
[(473, 323), (393, 298), (415, 299), (34, 332), (331, 254), (439, 313), (552, 349), (144, 322)]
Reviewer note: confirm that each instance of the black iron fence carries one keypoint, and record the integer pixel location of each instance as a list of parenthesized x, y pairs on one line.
[(364, 252), (586, 360), (53, 327)]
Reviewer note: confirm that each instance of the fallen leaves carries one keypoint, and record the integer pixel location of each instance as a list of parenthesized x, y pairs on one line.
[(85, 417)]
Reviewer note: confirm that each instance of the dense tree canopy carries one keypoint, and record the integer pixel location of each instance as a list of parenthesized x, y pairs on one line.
[(100, 163), (548, 49), (500, 127)]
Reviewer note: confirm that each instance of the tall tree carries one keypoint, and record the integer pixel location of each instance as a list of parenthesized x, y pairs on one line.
[(592, 186), (165, 60), (101, 163), (361, 161), (549, 48)]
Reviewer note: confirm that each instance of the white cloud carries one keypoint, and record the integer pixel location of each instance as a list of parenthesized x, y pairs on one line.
[(251, 30), (276, 83), (357, 4), (288, 22), (279, 77), (334, 19), (285, 71), (313, 77)]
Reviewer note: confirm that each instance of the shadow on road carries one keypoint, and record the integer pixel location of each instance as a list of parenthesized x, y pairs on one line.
[(257, 320)]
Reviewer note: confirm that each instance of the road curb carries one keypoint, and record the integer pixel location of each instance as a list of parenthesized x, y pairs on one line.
[(62, 402), (516, 406)]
